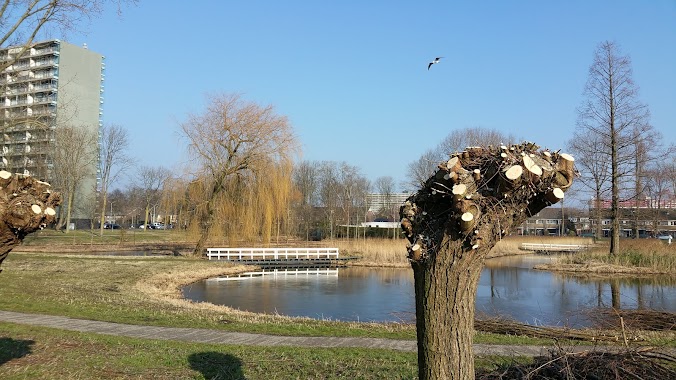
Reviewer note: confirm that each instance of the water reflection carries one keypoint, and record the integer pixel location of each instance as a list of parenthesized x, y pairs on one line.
[(508, 287)]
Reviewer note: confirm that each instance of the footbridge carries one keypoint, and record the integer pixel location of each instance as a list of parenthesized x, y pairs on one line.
[(554, 248), (279, 257)]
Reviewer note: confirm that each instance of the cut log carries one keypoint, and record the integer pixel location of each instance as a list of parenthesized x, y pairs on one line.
[(513, 173), (476, 174), (532, 168), (554, 195), (566, 163), (467, 221), (565, 171), (453, 165), (459, 191), (415, 252), (510, 178)]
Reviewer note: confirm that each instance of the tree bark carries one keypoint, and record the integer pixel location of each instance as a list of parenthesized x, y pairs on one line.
[(26, 205), (444, 318), (451, 232)]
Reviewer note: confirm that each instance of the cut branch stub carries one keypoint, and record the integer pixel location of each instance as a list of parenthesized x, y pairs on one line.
[(459, 191), (565, 171), (510, 179), (513, 173), (532, 168), (405, 225), (467, 222), (453, 165), (554, 195), (415, 251)]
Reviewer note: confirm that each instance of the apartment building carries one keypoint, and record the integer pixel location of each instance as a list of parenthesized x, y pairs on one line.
[(47, 85), (379, 202)]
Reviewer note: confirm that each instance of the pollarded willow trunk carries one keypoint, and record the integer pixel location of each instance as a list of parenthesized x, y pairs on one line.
[(26, 205), (452, 223)]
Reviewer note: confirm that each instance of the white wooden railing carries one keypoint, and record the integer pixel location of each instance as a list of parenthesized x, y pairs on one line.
[(269, 254)]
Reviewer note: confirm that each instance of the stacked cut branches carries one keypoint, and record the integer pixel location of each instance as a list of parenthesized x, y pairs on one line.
[(26, 205), (638, 319), (509, 327), (642, 364), (481, 189)]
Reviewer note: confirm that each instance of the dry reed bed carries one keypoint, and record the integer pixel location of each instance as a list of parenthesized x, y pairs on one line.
[(392, 252), (637, 256)]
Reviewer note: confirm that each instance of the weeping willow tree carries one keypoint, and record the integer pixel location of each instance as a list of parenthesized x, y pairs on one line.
[(252, 208), (241, 149)]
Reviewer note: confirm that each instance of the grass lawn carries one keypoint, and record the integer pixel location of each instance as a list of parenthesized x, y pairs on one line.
[(42, 353)]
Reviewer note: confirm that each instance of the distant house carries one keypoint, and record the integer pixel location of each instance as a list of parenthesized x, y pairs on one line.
[(545, 223), (638, 218)]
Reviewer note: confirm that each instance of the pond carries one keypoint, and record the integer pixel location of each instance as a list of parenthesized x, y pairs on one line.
[(508, 287)]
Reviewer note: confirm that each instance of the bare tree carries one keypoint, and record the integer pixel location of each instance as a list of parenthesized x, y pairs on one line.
[(612, 112), (420, 169), (75, 158), (306, 183), (174, 199), (305, 179), (21, 22), (149, 181), (385, 187), (594, 166), (234, 138), (113, 161), (328, 193)]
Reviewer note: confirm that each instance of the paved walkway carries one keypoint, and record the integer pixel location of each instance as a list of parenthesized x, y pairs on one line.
[(238, 338)]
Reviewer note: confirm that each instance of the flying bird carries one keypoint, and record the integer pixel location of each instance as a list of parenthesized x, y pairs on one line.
[(436, 60)]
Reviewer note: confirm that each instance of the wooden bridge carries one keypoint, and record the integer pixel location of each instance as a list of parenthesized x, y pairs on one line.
[(279, 257), (553, 248)]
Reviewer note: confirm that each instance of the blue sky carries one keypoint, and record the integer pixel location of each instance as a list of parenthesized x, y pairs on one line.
[(352, 75)]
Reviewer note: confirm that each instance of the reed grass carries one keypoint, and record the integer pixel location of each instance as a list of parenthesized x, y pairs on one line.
[(374, 252), (392, 252), (650, 255)]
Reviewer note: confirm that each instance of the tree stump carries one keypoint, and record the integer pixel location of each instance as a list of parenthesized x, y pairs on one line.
[(452, 222), (26, 205)]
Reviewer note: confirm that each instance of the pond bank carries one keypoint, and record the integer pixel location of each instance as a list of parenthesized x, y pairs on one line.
[(600, 269)]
